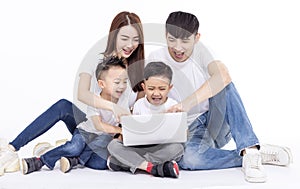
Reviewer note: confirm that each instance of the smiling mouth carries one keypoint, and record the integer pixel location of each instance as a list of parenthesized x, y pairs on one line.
[(127, 52), (178, 55), (119, 92)]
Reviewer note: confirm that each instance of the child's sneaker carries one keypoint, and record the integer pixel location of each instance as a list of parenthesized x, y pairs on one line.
[(30, 165), (114, 165), (9, 160), (166, 169), (252, 166), (67, 163), (275, 155)]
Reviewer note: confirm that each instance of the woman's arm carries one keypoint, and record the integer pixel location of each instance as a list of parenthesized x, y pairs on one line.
[(219, 79), (87, 97), (104, 127)]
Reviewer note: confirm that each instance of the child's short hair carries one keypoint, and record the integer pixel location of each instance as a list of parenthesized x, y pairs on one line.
[(106, 64), (158, 69), (181, 24)]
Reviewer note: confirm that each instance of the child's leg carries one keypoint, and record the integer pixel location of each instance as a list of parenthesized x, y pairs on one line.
[(128, 156), (69, 149), (95, 152), (164, 152)]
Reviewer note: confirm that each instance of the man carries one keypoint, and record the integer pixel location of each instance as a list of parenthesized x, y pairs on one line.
[(216, 113)]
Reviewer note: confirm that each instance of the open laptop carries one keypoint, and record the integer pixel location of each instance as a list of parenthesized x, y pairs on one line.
[(154, 128)]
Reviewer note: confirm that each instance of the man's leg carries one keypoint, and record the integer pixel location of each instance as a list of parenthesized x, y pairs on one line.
[(200, 152)]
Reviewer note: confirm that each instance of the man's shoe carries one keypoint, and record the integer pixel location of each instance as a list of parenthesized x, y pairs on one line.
[(252, 167), (67, 163), (275, 155), (9, 160), (30, 165), (166, 169), (114, 165)]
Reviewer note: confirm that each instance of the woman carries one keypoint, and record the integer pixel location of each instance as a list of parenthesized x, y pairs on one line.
[(125, 40)]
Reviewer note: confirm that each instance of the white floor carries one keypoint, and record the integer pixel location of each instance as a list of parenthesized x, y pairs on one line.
[(278, 177)]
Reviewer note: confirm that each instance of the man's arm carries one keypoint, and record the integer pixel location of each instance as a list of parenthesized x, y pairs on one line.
[(219, 79)]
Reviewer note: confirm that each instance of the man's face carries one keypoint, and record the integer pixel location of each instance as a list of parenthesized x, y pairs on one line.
[(156, 89), (181, 49)]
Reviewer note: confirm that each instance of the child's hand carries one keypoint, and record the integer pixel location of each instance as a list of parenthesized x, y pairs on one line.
[(120, 137), (119, 111), (175, 108)]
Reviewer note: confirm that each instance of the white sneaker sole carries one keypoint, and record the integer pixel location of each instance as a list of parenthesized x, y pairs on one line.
[(64, 164), (41, 148), (24, 167), (254, 179), (10, 167)]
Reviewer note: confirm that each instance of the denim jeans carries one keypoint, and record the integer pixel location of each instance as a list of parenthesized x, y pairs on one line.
[(62, 110), (83, 144), (95, 153), (212, 130)]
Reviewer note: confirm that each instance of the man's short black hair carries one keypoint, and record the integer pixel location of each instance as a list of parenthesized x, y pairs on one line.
[(182, 24)]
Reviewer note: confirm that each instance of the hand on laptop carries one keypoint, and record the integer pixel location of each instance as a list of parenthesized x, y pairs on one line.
[(175, 108), (119, 111)]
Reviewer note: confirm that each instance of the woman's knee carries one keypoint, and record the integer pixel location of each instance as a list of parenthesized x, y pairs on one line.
[(63, 104)]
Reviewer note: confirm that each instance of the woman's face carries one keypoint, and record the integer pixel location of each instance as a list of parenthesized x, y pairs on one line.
[(127, 41)]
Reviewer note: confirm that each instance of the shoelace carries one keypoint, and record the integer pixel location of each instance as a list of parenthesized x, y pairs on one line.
[(255, 161), (270, 157)]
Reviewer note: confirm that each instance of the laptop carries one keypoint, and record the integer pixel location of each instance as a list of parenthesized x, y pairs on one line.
[(154, 128)]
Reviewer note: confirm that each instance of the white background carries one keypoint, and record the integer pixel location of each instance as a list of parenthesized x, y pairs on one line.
[(42, 44)]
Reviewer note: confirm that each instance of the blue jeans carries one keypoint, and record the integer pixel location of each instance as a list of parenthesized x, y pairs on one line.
[(212, 130), (82, 145), (62, 110)]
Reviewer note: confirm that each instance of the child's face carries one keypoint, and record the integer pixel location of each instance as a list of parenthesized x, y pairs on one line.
[(113, 84), (156, 89), (127, 41), (181, 49)]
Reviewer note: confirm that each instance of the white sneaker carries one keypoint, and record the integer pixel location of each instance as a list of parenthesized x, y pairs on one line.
[(275, 155), (43, 147), (252, 166), (9, 160)]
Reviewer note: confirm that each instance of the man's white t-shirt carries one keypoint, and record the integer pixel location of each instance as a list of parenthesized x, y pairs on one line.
[(143, 106), (188, 76)]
